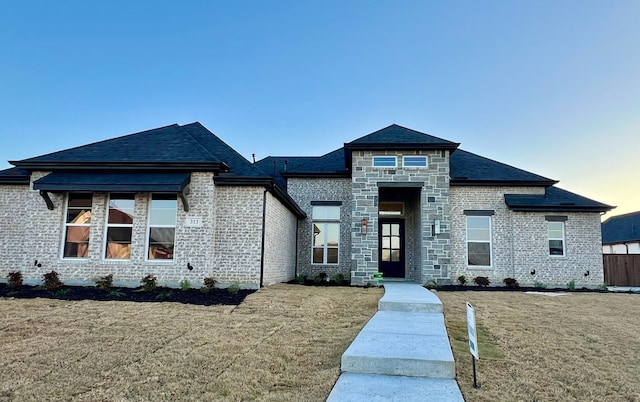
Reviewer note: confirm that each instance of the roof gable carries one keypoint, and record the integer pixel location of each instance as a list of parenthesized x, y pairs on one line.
[(621, 228), (395, 136)]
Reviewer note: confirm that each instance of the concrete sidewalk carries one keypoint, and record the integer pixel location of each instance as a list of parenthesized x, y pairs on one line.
[(401, 354)]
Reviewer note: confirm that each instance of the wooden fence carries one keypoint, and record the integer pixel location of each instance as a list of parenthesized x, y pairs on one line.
[(622, 269)]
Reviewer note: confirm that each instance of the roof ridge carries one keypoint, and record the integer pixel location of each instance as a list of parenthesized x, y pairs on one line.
[(187, 132)]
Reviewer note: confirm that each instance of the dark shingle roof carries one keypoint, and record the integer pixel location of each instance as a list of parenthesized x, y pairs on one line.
[(395, 135), (14, 176), (554, 200), (471, 169), (328, 164), (113, 182), (621, 228)]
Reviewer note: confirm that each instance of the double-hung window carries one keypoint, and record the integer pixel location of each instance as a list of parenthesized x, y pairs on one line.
[(77, 226), (555, 232), (119, 226), (163, 211), (479, 241), (326, 234)]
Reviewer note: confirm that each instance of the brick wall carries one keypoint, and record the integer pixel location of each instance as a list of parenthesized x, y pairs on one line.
[(520, 242), (304, 191), (238, 235), (280, 242)]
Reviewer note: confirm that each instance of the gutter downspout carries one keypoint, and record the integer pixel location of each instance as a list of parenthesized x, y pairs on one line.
[(264, 235)]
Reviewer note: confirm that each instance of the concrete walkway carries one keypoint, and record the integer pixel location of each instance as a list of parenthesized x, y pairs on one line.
[(401, 354)]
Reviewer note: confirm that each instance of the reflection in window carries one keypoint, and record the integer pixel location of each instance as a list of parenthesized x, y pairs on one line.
[(555, 232), (77, 226), (162, 226), (326, 234), (119, 226), (479, 240)]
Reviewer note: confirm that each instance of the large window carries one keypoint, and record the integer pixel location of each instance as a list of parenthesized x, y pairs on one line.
[(326, 234), (77, 226), (555, 232), (162, 226), (479, 241), (119, 226)]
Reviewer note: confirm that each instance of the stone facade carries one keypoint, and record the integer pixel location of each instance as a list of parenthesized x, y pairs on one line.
[(431, 252), (519, 243), (280, 242), (304, 192)]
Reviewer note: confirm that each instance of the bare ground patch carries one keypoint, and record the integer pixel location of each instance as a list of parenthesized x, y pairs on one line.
[(283, 343), (578, 347)]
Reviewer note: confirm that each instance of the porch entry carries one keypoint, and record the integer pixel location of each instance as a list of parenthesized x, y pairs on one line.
[(391, 247)]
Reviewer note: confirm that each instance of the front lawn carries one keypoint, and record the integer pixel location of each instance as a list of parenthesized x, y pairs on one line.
[(283, 343), (577, 347)]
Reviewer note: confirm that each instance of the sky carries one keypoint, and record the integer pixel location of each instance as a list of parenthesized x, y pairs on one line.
[(551, 87)]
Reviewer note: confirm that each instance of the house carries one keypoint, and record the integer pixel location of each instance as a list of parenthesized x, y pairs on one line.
[(621, 234), (180, 203)]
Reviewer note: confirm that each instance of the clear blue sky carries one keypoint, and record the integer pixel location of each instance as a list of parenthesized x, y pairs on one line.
[(552, 87)]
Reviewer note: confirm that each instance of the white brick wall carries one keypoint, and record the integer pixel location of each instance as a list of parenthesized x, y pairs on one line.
[(280, 242), (238, 235), (520, 242)]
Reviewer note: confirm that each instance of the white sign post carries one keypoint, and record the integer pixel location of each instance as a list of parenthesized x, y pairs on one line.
[(473, 340)]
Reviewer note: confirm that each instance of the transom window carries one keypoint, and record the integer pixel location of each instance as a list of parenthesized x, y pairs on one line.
[(414, 161), (391, 208), (163, 211), (326, 234), (479, 241), (77, 226), (119, 226), (385, 161), (555, 232)]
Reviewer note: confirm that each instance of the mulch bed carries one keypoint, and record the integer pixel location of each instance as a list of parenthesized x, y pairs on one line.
[(160, 294), (472, 288)]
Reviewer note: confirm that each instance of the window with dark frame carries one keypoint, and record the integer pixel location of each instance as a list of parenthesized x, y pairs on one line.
[(325, 234), (555, 232), (119, 226), (163, 210), (77, 226)]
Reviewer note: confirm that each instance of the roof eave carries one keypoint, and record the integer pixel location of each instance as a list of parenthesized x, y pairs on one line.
[(325, 175), (510, 183), (129, 166), (559, 208)]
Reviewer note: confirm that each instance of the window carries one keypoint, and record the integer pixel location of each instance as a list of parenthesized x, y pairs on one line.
[(162, 226), (555, 231), (384, 161), (479, 241), (391, 208), (77, 226), (414, 161), (119, 226), (326, 234)]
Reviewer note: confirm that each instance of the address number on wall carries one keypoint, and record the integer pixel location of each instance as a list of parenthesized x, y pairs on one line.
[(193, 221)]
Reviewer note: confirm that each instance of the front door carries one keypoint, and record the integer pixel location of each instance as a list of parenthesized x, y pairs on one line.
[(391, 244)]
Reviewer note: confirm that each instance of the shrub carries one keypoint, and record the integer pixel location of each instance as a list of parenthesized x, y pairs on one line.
[(209, 284), (185, 284), (62, 293), (149, 283), (571, 285), (432, 284), (51, 281), (104, 282), (165, 295), (482, 281), (234, 288), (320, 278), (539, 285), (511, 283), (115, 293), (338, 278), (462, 280), (301, 279), (14, 280)]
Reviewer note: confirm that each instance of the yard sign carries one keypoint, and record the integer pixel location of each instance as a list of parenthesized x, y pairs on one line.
[(471, 327)]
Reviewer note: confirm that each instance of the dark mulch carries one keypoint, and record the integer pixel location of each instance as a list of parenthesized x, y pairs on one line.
[(160, 294), (472, 288)]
